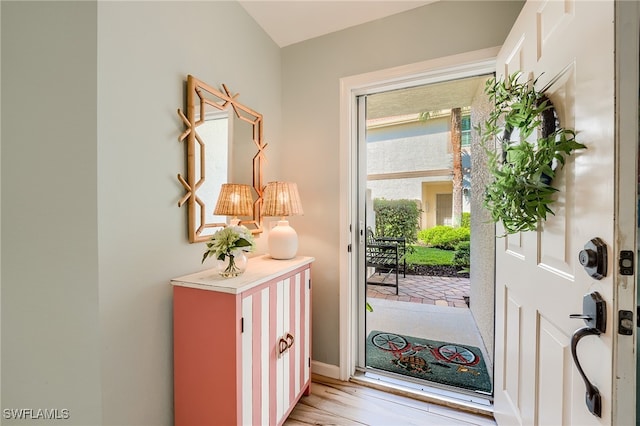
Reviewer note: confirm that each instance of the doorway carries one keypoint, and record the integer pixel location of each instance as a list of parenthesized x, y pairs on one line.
[(622, 392), (444, 210), (352, 201), (420, 330)]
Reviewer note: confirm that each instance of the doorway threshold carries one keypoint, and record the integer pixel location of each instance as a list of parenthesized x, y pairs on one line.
[(463, 401)]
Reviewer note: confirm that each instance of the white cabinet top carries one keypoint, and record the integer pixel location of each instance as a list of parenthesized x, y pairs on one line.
[(260, 269)]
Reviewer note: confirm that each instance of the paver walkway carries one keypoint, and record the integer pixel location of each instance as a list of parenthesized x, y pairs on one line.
[(441, 291)]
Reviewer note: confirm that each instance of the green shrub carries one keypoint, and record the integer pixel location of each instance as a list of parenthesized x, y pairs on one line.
[(466, 220), (462, 254), (444, 237), (397, 218)]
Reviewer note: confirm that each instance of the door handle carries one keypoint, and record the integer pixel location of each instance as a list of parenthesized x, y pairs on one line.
[(289, 340), (592, 395), (285, 343), (594, 314), (282, 346)]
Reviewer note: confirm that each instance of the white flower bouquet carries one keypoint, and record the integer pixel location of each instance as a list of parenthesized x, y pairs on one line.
[(230, 242)]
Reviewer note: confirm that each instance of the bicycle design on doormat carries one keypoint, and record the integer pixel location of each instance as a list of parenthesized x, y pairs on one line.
[(407, 355)]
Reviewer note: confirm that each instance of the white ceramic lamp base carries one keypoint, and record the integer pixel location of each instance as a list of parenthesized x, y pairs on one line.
[(283, 241)]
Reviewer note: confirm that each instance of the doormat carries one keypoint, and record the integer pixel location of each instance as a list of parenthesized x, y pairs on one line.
[(450, 364)]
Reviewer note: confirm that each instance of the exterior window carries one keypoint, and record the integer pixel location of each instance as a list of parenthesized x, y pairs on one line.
[(465, 129)]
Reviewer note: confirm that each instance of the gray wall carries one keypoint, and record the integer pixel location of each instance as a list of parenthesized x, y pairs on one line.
[(91, 232), (311, 74), (50, 312), (145, 51)]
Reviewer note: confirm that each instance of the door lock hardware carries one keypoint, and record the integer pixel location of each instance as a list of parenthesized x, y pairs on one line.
[(594, 258), (594, 314), (626, 324), (592, 395), (626, 262)]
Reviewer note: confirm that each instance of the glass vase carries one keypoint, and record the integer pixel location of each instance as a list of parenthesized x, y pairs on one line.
[(232, 265)]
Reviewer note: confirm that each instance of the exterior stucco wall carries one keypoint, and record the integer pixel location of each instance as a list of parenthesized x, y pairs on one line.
[(417, 147), (482, 233), (409, 147)]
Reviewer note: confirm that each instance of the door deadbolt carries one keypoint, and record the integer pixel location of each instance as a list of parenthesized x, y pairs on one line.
[(594, 258)]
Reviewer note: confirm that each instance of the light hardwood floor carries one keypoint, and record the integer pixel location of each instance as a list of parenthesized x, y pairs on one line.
[(334, 402)]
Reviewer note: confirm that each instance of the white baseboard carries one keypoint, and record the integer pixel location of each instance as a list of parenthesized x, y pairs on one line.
[(327, 370)]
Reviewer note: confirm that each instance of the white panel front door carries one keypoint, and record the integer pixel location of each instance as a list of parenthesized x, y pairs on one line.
[(569, 47)]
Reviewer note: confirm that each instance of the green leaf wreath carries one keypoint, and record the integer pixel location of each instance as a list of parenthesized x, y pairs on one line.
[(520, 193)]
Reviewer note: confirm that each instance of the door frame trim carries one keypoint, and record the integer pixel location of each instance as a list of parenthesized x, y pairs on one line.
[(627, 30), (430, 71)]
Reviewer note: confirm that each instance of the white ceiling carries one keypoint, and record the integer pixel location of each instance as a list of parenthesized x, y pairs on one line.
[(291, 21)]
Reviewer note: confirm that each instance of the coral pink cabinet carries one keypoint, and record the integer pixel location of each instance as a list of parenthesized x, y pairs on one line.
[(242, 346)]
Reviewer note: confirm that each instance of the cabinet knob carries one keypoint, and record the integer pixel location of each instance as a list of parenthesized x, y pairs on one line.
[(282, 346)]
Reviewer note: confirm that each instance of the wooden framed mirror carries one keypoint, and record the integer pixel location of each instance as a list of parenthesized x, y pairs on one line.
[(223, 138)]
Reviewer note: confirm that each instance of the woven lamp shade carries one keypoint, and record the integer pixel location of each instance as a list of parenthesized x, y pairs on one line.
[(234, 200), (281, 199)]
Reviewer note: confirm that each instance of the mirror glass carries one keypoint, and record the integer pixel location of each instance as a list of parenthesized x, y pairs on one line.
[(224, 144), (216, 136)]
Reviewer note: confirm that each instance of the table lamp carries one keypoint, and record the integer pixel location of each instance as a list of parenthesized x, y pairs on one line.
[(282, 199), (234, 200)]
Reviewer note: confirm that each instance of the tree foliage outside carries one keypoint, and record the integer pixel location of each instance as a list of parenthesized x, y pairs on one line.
[(397, 218)]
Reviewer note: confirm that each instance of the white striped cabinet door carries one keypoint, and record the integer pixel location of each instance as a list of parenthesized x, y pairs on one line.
[(276, 348)]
